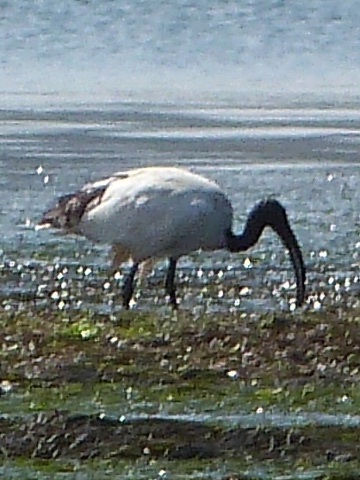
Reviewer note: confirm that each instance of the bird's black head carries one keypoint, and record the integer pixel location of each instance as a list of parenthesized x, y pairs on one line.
[(270, 213)]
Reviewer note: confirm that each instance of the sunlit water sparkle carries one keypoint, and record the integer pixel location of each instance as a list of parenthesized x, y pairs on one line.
[(319, 190), (263, 98)]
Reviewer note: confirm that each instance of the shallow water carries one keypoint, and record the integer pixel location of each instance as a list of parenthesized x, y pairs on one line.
[(306, 157), (204, 470)]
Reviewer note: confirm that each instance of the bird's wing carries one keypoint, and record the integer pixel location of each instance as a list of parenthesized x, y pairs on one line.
[(121, 175), (69, 209)]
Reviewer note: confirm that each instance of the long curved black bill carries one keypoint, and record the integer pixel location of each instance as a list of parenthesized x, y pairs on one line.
[(292, 245), (270, 213), (279, 222)]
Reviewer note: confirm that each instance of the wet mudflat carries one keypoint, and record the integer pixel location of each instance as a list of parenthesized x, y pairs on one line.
[(53, 363)]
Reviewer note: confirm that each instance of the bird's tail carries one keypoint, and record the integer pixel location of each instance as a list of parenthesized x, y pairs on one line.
[(68, 211)]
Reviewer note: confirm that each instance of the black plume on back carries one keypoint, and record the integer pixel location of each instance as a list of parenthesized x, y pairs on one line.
[(69, 209)]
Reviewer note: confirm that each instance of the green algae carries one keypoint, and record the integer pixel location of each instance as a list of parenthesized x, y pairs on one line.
[(231, 371), (156, 469)]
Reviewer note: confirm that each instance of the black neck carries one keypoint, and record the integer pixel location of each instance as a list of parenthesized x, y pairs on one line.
[(270, 213)]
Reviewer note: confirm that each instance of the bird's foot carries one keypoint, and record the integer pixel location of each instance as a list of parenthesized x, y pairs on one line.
[(128, 287), (172, 300), (127, 292)]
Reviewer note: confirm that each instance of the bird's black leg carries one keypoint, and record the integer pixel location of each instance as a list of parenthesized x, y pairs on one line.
[(128, 287), (169, 282)]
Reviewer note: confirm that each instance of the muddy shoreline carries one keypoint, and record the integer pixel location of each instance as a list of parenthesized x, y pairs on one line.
[(63, 435), (282, 355)]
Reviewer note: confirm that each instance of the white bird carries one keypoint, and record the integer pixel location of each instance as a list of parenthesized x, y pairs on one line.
[(155, 212)]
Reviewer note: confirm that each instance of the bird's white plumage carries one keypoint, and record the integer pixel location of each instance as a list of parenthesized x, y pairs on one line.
[(155, 212), (158, 212)]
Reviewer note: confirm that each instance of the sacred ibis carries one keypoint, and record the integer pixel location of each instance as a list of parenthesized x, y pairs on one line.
[(155, 212)]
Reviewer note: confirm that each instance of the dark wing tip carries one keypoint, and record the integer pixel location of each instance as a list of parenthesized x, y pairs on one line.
[(68, 211), (56, 216)]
